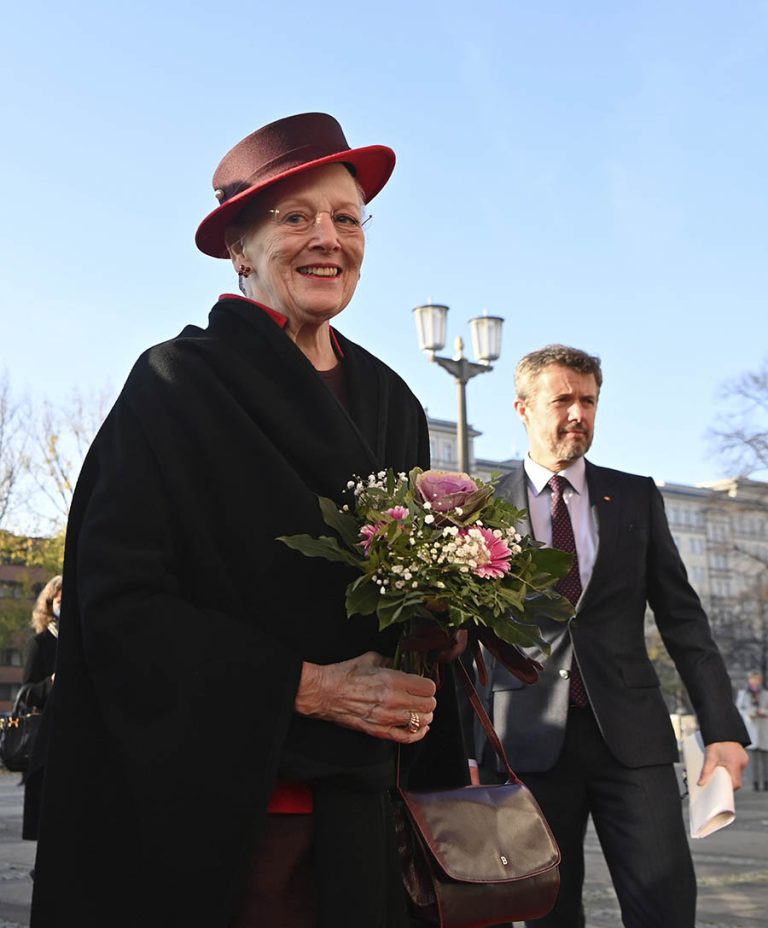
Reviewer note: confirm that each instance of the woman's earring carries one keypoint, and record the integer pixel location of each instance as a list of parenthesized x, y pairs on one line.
[(243, 270)]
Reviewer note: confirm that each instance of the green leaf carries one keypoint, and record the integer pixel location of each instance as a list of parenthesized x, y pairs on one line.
[(518, 633), (458, 616), (547, 604), (362, 597), (389, 612), (323, 546), (413, 473), (513, 596), (393, 610), (551, 561), (342, 522)]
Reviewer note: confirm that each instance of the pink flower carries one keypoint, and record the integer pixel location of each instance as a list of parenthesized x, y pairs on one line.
[(369, 532), (443, 489), (453, 496), (493, 556)]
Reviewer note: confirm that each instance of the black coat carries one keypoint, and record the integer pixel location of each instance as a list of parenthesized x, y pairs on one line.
[(185, 623), (637, 566), (39, 665)]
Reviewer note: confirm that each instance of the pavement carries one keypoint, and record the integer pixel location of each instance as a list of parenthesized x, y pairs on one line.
[(731, 865), (16, 856), (731, 869)]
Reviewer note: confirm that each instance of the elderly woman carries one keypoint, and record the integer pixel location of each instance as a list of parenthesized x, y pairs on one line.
[(222, 736)]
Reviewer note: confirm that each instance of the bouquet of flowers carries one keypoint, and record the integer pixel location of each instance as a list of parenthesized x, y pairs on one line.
[(440, 546)]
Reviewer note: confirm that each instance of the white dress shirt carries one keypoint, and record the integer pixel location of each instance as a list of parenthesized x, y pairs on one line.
[(576, 499)]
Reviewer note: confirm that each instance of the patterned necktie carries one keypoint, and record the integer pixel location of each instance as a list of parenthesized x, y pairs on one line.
[(569, 585)]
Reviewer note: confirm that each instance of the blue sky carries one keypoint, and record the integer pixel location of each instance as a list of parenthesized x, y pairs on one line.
[(593, 172)]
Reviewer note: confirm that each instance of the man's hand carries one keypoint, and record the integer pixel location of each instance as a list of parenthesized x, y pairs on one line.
[(728, 754)]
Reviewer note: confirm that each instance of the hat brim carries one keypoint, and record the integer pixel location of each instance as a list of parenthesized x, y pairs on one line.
[(373, 167)]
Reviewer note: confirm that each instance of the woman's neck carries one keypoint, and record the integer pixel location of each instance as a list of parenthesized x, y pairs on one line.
[(314, 340), (315, 343)]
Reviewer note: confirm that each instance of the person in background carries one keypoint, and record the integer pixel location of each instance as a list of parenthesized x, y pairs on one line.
[(593, 736), (223, 737), (752, 702), (39, 673)]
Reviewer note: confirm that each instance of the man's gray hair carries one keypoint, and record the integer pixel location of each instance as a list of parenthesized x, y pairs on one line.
[(529, 367)]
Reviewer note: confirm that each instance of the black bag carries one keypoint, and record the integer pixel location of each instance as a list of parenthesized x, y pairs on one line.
[(17, 733), (476, 855)]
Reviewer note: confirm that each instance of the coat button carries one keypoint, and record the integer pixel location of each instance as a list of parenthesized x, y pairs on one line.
[(564, 674)]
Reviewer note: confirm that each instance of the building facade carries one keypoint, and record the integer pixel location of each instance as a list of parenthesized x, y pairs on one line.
[(444, 450), (721, 530), (19, 586)]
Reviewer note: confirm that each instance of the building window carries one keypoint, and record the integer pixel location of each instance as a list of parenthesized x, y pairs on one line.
[(10, 657), (716, 531), (8, 691), (720, 588)]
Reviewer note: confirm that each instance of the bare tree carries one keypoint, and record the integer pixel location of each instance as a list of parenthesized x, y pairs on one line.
[(741, 437), (755, 607), (59, 440), (14, 419)]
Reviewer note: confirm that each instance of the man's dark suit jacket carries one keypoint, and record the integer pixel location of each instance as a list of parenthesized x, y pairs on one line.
[(637, 563)]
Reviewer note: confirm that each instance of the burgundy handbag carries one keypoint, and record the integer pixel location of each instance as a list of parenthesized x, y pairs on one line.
[(477, 855)]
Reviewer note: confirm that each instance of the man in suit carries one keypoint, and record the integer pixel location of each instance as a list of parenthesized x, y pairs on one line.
[(593, 735)]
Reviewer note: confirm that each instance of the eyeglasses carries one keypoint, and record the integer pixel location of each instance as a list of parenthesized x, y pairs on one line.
[(300, 220)]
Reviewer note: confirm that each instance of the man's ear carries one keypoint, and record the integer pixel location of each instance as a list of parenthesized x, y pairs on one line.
[(521, 408)]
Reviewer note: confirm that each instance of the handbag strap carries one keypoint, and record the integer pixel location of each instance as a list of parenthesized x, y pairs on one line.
[(485, 721), (20, 705), (490, 731)]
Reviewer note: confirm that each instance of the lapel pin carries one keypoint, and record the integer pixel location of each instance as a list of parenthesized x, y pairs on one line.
[(607, 498)]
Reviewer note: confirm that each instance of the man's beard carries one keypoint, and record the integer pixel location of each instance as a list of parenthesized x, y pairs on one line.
[(573, 445)]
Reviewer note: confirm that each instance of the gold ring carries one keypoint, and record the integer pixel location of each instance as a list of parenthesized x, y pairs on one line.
[(414, 723)]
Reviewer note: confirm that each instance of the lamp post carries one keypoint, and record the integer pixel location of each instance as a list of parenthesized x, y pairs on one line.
[(486, 345)]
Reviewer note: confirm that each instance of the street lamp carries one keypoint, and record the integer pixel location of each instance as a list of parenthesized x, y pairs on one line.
[(486, 345)]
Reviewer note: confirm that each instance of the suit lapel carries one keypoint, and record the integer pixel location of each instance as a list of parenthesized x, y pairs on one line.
[(514, 489), (605, 506)]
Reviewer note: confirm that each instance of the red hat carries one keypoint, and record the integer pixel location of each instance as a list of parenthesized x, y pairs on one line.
[(282, 149)]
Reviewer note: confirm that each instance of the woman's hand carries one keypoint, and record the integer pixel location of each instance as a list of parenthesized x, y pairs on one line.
[(365, 694)]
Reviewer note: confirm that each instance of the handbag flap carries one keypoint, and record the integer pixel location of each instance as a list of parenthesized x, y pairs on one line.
[(481, 834)]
